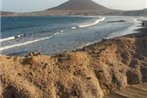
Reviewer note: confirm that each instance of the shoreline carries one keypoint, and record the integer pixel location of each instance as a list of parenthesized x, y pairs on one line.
[(91, 72), (20, 36), (73, 49)]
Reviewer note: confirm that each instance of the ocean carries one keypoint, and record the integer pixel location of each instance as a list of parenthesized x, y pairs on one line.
[(54, 34)]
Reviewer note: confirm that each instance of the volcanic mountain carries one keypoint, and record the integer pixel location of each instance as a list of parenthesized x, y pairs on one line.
[(81, 7)]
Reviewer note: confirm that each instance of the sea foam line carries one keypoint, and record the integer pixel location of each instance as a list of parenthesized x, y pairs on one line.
[(11, 38), (92, 24), (26, 43), (7, 39), (73, 28)]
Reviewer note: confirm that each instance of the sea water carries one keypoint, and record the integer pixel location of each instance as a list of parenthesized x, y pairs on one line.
[(54, 34)]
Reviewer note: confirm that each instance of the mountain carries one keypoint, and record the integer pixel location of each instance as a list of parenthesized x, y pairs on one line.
[(81, 7), (89, 7), (5, 13), (74, 7), (145, 12), (142, 12)]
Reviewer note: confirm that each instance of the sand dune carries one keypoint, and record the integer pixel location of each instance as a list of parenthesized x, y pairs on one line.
[(91, 72)]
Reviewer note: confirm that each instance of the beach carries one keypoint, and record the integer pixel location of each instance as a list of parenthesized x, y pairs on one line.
[(55, 34), (90, 72)]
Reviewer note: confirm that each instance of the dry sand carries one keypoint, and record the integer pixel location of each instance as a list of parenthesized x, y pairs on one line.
[(91, 72), (132, 91)]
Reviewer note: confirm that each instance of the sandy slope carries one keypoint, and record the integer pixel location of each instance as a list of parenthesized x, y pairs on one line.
[(133, 91), (90, 72)]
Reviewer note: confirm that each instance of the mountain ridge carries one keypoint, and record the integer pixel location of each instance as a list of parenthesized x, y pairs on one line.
[(84, 7), (79, 5)]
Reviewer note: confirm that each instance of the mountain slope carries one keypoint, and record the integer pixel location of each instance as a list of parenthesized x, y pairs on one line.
[(79, 5), (84, 7), (5, 13)]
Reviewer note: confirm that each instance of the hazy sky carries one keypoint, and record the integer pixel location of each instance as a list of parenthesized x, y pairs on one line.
[(38, 5)]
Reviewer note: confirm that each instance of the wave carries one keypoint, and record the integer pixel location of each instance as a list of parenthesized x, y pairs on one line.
[(92, 24), (87, 44), (28, 42), (73, 28), (11, 38), (7, 39), (62, 31), (84, 45)]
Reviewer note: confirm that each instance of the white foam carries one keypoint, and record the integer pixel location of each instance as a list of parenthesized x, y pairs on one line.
[(62, 31), (28, 42), (92, 24), (73, 28), (11, 38), (56, 34), (7, 39), (87, 44)]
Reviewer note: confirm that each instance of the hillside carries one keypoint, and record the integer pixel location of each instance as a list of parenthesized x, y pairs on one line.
[(136, 12), (89, 7), (81, 7), (5, 13)]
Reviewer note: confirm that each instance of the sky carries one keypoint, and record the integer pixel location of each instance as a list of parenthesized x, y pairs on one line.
[(39, 5)]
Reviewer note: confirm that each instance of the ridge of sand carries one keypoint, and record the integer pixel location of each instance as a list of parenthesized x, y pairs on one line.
[(91, 72)]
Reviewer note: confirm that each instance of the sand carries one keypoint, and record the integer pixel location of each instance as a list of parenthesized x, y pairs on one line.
[(91, 72), (132, 91)]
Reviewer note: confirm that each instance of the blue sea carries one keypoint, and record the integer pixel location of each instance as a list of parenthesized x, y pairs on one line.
[(54, 34)]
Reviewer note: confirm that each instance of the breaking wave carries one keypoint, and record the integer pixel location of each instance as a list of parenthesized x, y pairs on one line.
[(91, 24), (28, 42), (11, 38)]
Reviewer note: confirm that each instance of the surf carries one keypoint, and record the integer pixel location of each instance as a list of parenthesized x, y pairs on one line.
[(7, 39), (11, 38), (92, 24), (28, 42)]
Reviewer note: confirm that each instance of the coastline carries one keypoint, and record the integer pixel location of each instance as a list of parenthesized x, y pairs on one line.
[(77, 41), (90, 72)]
